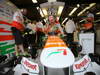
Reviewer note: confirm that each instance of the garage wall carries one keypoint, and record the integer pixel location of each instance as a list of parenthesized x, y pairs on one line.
[(98, 36), (98, 33)]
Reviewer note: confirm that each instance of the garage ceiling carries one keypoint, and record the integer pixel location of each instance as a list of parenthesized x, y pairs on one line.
[(33, 13)]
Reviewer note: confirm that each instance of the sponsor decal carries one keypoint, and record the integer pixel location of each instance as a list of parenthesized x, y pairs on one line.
[(62, 51), (30, 66), (34, 67), (81, 64)]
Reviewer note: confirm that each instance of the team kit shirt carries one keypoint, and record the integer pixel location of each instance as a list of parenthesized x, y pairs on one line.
[(90, 15), (18, 20), (70, 26), (90, 19), (55, 28), (39, 26), (31, 26)]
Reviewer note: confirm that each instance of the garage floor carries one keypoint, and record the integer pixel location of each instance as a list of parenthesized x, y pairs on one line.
[(98, 49)]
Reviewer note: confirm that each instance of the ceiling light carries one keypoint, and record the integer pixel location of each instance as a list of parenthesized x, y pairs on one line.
[(98, 13), (37, 8), (81, 12), (34, 1), (97, 21), (78, 5), (60, 10), (64, 20), (51, 0), (45, 12), (41, 13), (73, 11), (44, 20), (91, 5)]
